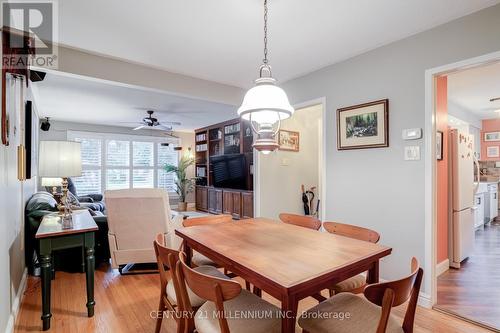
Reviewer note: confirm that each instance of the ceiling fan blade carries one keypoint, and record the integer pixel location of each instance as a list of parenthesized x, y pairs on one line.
[(138, 127), (166, 128), (175, 123)]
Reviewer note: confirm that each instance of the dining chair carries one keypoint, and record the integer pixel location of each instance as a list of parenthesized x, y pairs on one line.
[(199, 259), (169, 301), (305, 221), (357, 283), (371, 313), (229, 308)]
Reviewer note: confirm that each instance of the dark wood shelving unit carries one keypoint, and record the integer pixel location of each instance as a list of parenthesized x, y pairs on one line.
[(230, 137)]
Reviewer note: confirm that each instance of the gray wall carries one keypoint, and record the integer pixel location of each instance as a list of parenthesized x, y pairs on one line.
[(376, 188), (13, 196)]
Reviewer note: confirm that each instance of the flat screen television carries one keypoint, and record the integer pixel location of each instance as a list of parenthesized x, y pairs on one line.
[(229, 171)]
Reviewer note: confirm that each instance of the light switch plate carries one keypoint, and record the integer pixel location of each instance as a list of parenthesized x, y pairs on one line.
[(285, 161), (412, 153), (412, 133)]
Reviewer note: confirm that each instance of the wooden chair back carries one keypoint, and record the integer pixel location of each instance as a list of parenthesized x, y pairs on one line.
[(352, 231), (305, 221), (167, 259), (203, 220), (395, 293), (211, 288)]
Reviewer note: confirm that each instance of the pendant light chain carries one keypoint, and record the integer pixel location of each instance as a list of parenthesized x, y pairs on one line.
[(265, 33)]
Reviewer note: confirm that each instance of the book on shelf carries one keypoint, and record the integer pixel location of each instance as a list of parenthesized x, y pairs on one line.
[(201, 172), (201, 137), (201, 147), (232, 128)]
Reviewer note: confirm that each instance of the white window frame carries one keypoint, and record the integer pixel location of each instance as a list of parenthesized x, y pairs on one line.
[(105, 137)]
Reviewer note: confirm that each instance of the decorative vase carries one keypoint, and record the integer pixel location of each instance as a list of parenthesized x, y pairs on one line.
[(182, 206)]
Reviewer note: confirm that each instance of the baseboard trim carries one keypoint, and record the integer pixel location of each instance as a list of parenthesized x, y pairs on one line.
[(16, 304), (442, 267), (424, 300)]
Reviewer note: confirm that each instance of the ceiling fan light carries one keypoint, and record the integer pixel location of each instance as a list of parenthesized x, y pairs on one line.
[(265, 103)]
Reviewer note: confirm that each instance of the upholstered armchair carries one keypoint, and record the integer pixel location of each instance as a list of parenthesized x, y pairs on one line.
[(135, 217)]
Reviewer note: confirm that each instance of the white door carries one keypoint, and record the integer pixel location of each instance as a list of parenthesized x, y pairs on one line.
[(493, 204), (463, 234)]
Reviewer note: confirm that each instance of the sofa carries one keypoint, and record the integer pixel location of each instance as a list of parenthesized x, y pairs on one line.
[(43, 203)]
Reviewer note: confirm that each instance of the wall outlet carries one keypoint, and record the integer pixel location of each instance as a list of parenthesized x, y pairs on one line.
[(285, 161), (412, 153)]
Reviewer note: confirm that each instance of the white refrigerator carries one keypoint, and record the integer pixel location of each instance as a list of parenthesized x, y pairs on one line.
[(461, 164)]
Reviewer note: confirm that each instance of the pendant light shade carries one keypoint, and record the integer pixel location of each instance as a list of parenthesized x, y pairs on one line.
[(265, 103)]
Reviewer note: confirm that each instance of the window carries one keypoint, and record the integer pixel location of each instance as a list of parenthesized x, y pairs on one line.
[(112, 162), (90, 181)]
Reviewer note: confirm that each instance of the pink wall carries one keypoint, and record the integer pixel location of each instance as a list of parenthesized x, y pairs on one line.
[(489, 125), (442, 170)]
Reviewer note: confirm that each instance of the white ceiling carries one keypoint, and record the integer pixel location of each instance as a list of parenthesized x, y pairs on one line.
[(68, 98), (472, 90), (221, 40)]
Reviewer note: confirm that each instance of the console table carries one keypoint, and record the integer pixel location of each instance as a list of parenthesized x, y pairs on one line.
[(53, 237)]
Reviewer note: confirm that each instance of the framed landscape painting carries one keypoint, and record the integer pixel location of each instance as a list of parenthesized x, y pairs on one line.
[(363, 126)]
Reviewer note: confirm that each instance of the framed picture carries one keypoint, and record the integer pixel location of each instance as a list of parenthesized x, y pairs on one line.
[(288, 140), (492, 136), (31, 140), (493, 151), (439, 145), (363, 126)]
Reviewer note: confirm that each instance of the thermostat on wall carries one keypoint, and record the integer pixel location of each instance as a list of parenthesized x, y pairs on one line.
[(412, 133)]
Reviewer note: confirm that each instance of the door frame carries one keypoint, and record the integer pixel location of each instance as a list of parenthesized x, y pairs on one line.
[(322, 159), (430, 279)]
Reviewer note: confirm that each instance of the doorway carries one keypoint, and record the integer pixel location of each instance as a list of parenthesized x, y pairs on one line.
[(466, 233), (281, 174)]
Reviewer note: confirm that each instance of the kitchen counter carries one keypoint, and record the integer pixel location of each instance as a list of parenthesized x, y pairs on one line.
[(483, 186)]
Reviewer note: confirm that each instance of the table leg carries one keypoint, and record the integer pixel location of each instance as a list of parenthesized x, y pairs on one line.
[(89, 270), (188, 251), (373, 273), (289, 306), (46, 263)]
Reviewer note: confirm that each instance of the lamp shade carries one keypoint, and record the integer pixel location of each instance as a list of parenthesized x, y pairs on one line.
[(48, 181), (266, 103), (60, 159)]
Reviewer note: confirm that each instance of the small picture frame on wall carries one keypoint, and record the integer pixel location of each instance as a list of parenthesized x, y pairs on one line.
[(439, 145), (288, 140), (493, 151), (491, 136)]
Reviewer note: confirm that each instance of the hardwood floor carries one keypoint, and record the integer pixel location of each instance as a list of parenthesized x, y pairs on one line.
[(124, 304), (472, 291)]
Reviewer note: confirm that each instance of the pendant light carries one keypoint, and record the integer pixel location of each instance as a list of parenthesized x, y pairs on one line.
[(265, 104)]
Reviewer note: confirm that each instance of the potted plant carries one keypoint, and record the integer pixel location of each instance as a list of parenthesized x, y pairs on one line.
[(183, 185)]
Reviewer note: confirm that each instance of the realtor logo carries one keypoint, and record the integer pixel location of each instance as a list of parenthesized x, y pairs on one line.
[(36, 20)]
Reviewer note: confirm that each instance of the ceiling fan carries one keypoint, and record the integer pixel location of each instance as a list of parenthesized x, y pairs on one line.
[(152, 122)]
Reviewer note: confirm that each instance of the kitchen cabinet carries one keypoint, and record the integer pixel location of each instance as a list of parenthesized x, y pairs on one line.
[(247, 204), (493, 192), (478, 210)]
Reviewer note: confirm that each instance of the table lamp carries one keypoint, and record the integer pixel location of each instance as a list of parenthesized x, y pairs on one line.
[(54, 183), (60, 159)]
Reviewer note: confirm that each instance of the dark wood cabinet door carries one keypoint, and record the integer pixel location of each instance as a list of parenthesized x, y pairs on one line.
[(202, 198), (227, 202), (247, 205), (236, 196), (214, 200)]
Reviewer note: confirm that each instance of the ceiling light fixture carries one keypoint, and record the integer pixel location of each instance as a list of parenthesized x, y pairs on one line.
[(265, 104)]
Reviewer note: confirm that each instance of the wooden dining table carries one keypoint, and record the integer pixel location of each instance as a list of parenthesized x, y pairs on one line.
[(288, 262)]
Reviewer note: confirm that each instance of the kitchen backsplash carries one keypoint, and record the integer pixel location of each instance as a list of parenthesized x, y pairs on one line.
[(489, 168)]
